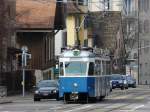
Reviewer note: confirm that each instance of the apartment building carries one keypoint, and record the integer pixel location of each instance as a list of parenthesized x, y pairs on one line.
[(130, 28), (32, 24), (76, 32), (108, 29), (144, 41)]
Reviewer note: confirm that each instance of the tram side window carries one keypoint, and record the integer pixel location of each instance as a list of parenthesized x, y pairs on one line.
[(104, 67), (91, 69), (97, 67), (107, 67), (100, 68), (61, 69)]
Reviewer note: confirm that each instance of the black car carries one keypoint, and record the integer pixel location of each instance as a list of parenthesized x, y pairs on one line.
[(119, 81), (46, 89), (131, 81)]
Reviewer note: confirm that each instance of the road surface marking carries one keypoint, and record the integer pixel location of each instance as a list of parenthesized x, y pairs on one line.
[(79, 108), (140, 106), (55, 108)]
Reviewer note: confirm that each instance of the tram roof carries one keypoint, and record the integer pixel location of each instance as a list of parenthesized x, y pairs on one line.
[(83, 54), (78, 53)]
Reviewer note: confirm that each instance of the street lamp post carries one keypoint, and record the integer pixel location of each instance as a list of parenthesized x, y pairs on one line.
[(138, 44), (24, 52)]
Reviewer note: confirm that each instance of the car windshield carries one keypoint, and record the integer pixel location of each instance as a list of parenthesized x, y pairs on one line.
[(75, 68), (129, 78), (47, 84), (116, 77)]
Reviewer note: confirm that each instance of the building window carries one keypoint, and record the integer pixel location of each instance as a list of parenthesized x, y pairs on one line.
[(141, 72), (141, 27), (141, 5), (107, 4), (146, 46), (146, 5), (140, 50), (49, 49), (146, 26), (146, 64), (135, 56), (82, 2), (128, 5)]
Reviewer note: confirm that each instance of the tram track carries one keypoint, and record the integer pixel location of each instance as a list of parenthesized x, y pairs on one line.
[(116, 106)]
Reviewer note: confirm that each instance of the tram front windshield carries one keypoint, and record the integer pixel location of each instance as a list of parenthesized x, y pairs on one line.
[(75, 68)]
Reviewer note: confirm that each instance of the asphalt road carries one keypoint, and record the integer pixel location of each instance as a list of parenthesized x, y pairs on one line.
[(131, 100)]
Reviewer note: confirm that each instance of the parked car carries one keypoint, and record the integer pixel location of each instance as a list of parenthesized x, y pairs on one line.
[(131, 81), (46, 89), (119, 81)]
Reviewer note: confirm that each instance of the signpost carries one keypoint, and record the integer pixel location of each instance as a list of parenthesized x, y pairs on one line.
[(24, 64)]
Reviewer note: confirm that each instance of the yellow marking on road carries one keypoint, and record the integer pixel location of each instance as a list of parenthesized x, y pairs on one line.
[(141, 97), (122, 97)]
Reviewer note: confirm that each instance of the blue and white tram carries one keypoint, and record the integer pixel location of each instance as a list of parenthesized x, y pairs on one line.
[(83, 76)]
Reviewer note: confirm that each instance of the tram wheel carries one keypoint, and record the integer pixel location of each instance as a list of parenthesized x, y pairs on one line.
[(66, 98), (83, 98), (102, 98)]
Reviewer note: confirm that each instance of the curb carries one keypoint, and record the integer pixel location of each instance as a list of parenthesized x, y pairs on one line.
[(5, 102)]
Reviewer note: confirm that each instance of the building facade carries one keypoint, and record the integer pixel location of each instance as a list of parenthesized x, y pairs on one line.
[(27, 23), (76, 32), (144, 41), (107, 33), (105, 5)]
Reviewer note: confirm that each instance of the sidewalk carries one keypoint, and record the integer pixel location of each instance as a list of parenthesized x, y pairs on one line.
[(144, 86), (4, 100), (15, 98)]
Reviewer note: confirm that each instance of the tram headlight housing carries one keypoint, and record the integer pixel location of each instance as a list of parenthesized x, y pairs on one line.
[(54, 91), (125, 82)]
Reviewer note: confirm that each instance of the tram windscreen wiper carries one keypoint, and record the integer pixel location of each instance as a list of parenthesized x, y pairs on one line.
[(67, 64)]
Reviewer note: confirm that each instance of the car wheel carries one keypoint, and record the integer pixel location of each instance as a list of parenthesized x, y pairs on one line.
[(134, 86), (57, 98), (122, 88), (37, 99), (110, 90)]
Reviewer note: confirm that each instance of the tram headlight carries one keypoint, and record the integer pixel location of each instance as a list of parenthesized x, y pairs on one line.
[(54, 91), (75, 85), (125, 82)]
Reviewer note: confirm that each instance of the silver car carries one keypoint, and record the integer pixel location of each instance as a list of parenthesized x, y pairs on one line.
[(131, 81)]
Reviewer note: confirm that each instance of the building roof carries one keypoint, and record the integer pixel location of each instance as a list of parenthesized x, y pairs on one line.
[(73, 8), (35, 13)]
